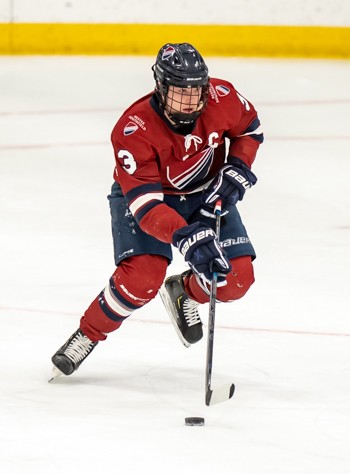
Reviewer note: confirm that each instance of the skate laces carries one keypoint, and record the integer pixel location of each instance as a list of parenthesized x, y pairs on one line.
[(79, 348), (191, 312)]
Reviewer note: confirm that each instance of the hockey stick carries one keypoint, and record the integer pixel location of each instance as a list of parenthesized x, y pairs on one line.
[(225, 392)]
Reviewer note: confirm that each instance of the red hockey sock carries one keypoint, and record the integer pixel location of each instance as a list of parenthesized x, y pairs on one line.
[(238, 282), (134, 283)]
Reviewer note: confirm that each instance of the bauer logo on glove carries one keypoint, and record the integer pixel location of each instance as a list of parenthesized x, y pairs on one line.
[(194, 240), (200, 247), (230, 185), (239, 178)]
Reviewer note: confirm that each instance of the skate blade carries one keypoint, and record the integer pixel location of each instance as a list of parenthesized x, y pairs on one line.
[(55, 374)]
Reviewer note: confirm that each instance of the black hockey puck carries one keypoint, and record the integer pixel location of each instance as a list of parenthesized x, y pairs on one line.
[(194, 421)]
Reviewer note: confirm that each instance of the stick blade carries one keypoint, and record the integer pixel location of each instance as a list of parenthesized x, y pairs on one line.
[(220, 394)]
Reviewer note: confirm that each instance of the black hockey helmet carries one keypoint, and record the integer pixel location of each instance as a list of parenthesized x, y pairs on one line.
[(181, 65)]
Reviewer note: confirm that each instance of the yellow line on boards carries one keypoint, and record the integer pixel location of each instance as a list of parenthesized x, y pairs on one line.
[(146, 39)]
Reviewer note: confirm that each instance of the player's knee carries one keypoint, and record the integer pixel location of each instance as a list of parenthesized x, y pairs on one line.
[(151, 269), (239, 280), (140, 277)]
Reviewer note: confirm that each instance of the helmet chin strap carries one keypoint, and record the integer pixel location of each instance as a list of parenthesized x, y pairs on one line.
[(178, 118), (167, 116)]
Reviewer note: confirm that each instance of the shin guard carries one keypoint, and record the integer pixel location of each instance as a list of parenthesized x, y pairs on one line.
[(134, 283)]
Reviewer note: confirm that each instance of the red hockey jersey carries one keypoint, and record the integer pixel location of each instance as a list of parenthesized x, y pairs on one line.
[(153, 158)]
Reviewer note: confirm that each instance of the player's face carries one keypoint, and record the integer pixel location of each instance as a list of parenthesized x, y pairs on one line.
[(183, 100)]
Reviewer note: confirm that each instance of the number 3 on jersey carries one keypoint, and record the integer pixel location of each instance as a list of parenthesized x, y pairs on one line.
[(128, 162)]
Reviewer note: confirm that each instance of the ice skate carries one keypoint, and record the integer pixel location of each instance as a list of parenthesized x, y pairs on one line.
[(183, 311), (69, 357)]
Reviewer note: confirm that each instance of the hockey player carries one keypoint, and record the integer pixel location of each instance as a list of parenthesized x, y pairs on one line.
[(178, 150)]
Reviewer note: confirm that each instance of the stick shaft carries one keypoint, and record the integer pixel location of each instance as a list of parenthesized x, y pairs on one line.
[(211, 319)]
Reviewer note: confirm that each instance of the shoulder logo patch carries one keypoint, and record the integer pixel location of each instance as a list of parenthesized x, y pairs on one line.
[(222, 90), (130, 128)]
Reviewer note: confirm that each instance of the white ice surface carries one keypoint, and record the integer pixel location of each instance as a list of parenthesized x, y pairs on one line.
[(286, 345)]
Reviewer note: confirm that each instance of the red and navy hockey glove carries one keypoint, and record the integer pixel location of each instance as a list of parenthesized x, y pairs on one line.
[(230, 186), (199, 245)]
